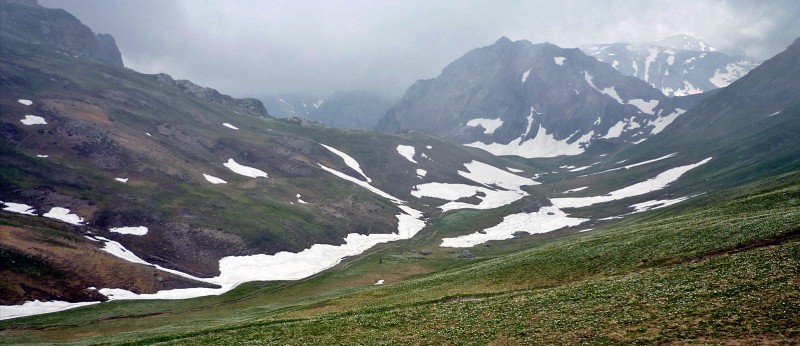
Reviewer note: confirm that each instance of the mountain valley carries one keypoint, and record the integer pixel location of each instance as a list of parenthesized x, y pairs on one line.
[(527, 194)]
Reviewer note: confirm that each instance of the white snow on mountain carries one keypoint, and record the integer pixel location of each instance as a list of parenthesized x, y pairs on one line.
[(245, 170), (18, 208), (214, 180), (348, 160), (644, 106), (728, 74), (25, 102), (230, 126), (656, 204), (488, 125), (407, 151), (63, 214), (33, 120), (36, 307), (576, 189), (610, 91), (552, 218), (138, 230), (559, 60)]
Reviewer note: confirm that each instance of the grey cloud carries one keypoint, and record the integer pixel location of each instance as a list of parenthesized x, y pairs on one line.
[(253, 48)]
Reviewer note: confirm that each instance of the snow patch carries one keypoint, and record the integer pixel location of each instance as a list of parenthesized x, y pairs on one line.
[(214, 180), (18, 208), (36, 307), (63, 214), (42, 156), (421, 172), (656, 204), (552, 218), (610, 91), (661, 123), (244, 170), (348, 160), (230, 126), (547, 219), (25, 102), (632, 165), (121, 180), (407, 151), (728, 74), (615, 131), (525, 75), (510, 169), (542, 145), (138, 230), (559, 60), (489, 125), (656, 183), (644, 106), (576, 189), (33, 120)]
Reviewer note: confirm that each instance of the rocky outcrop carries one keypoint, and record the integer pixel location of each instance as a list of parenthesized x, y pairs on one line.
[(248, 106), (31, 23)]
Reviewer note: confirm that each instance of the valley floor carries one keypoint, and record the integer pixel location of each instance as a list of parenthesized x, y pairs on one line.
[(723, 268)]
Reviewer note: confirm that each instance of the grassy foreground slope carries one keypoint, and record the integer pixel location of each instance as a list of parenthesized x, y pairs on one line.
[(722, 272)]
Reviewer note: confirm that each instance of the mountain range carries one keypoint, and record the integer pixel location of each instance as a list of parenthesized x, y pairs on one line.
[(678, 65), (534, 100)]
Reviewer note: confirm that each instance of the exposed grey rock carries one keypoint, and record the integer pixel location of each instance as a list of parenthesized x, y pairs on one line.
[(248, 106), (31, 23)]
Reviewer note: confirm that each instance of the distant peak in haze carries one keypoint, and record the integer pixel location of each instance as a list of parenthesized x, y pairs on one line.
[(684, 42)]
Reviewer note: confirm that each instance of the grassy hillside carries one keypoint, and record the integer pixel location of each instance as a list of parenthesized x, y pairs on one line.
[(723, 266)]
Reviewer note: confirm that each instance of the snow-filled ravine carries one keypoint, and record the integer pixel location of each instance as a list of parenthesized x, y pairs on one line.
[(552, 218), (235, 270), (494, 187)]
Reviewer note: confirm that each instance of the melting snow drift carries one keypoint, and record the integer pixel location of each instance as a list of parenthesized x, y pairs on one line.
[(63, 214), (36, 308), (33, 120), (214, 180), (139, 230), (18, 208), (244, 170), (407, 151), (553, 218)]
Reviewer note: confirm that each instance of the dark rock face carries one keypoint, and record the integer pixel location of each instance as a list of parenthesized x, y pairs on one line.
[(28, 22), (531, 100), (678, 66), (248, 106)]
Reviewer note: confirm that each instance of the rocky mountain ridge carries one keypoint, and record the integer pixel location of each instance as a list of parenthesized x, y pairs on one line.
[(533, 100), (249, 106), (26, 20)]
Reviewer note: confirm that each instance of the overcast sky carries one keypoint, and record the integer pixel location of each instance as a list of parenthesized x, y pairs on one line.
[(253, 48)]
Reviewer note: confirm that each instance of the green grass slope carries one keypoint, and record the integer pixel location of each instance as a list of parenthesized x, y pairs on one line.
[(719, 267)]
